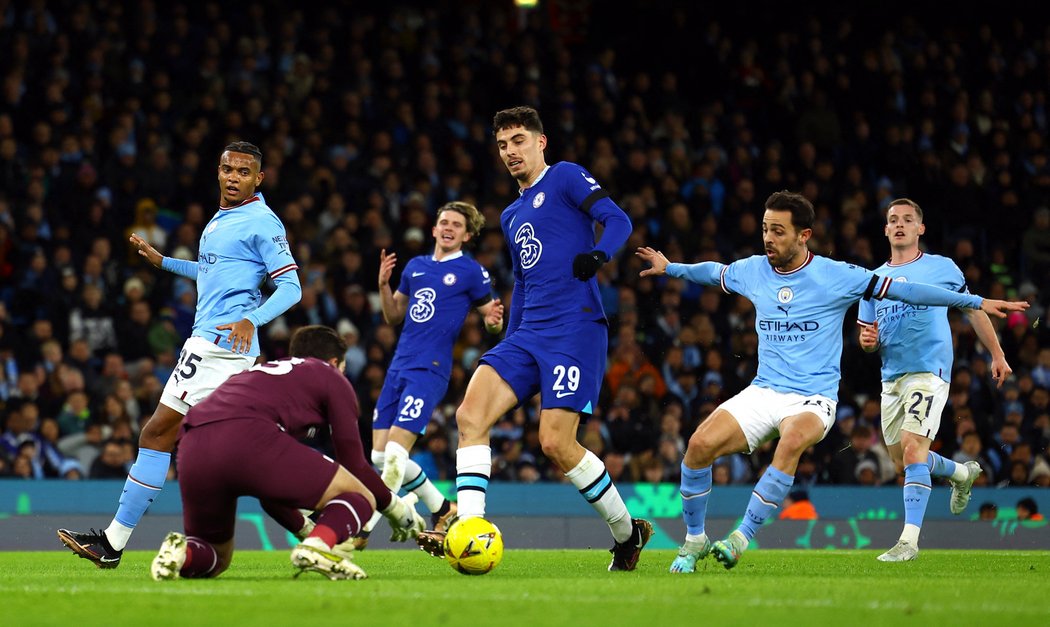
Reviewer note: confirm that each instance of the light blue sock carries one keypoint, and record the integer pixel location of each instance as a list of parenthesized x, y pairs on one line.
[(695, 490), (768, 494), (939, 466), (916, 492), (143, 485)]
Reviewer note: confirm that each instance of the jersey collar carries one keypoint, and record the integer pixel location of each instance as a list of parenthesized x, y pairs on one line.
[(455, 255), (897, 265), (809, 259), (246, 201), (522, 190)]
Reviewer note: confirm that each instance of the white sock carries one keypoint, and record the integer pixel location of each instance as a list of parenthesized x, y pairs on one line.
[(425, 490), (696, 538), (962, 473), (372, 522), (473, 468), (378, 459), (593, 482), (118, 535), (910, 535), (394, 466)]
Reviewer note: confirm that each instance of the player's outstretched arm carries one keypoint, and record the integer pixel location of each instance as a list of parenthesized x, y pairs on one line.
[(986, 333), (151, 254), (654, 258), (999, 308)]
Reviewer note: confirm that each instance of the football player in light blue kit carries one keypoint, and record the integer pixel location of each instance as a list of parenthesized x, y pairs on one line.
[(916, 347), (800, 301), (557, 334), (435, 294), (242, 245)]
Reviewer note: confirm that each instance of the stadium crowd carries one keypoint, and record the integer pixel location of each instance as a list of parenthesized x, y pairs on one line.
[(111, 114)]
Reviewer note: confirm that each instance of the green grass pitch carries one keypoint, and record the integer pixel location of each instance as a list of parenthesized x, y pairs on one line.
[(540, 588)]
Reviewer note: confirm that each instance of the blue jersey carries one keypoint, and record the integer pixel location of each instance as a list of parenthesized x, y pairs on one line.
[(915, 338), (546, 227), (241, 246), (799, 313), (440, 295)]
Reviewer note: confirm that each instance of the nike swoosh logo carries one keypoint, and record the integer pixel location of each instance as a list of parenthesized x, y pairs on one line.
[(415, 274), (588, 179), (108, 559), (564, 394), (403, 419)]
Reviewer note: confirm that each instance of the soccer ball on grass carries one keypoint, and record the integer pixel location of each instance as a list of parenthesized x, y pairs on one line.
[(473, 546)]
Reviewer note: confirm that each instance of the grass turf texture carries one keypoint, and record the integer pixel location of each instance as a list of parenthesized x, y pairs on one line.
[(545, 588)]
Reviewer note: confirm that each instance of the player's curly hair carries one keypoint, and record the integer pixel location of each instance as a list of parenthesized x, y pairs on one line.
[(526, 117), (475, 221), (319, 341), (802, 214), (247, 148)]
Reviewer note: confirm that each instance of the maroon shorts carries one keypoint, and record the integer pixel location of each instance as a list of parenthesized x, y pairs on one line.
[(221, 461)]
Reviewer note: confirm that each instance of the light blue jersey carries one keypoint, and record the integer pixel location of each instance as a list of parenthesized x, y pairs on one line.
[(915, 338), (799, 313), (240, 247)]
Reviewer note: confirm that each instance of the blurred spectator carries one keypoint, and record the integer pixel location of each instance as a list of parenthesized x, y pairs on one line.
[(988, 511), (797, 506), (1027, 509)]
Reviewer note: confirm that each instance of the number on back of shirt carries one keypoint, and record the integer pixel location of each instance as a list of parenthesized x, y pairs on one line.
[(277, 368)]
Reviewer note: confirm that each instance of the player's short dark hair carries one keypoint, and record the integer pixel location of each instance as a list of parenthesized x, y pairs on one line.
[(475, 221), (906, 201), (526, 117), (319, 341), (802, 214), (247, 148)]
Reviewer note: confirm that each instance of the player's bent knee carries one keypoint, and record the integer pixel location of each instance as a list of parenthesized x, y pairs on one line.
[(701, 450)]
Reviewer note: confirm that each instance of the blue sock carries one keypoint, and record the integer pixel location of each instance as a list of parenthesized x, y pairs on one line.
[(695, 490), (916, 492), (143, 485), (939, 466), (769, 493)]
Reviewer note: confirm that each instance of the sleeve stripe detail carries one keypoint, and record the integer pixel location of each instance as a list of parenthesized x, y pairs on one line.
[(865, 323), (592, 198), (279, 271), (722, 280), (885, 288)]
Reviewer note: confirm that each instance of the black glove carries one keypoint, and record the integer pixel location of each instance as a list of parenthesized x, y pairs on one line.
[(586, 265)]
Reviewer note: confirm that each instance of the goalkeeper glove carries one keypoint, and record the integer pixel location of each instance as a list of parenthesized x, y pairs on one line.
[(586, 265), (405, 521)]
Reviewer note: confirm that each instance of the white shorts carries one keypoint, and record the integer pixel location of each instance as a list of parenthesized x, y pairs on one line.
[(913, 402), (201, 368), (759, 412)]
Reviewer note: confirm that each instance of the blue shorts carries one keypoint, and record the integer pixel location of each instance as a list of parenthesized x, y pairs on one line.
[(564, 364), (408, 399)]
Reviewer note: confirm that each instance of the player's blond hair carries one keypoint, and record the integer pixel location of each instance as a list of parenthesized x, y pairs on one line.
[(475, 221)]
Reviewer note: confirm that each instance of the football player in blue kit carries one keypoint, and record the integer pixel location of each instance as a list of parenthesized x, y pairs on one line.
[(557, 334), (800, 300), (435, 294), (916, 348)]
